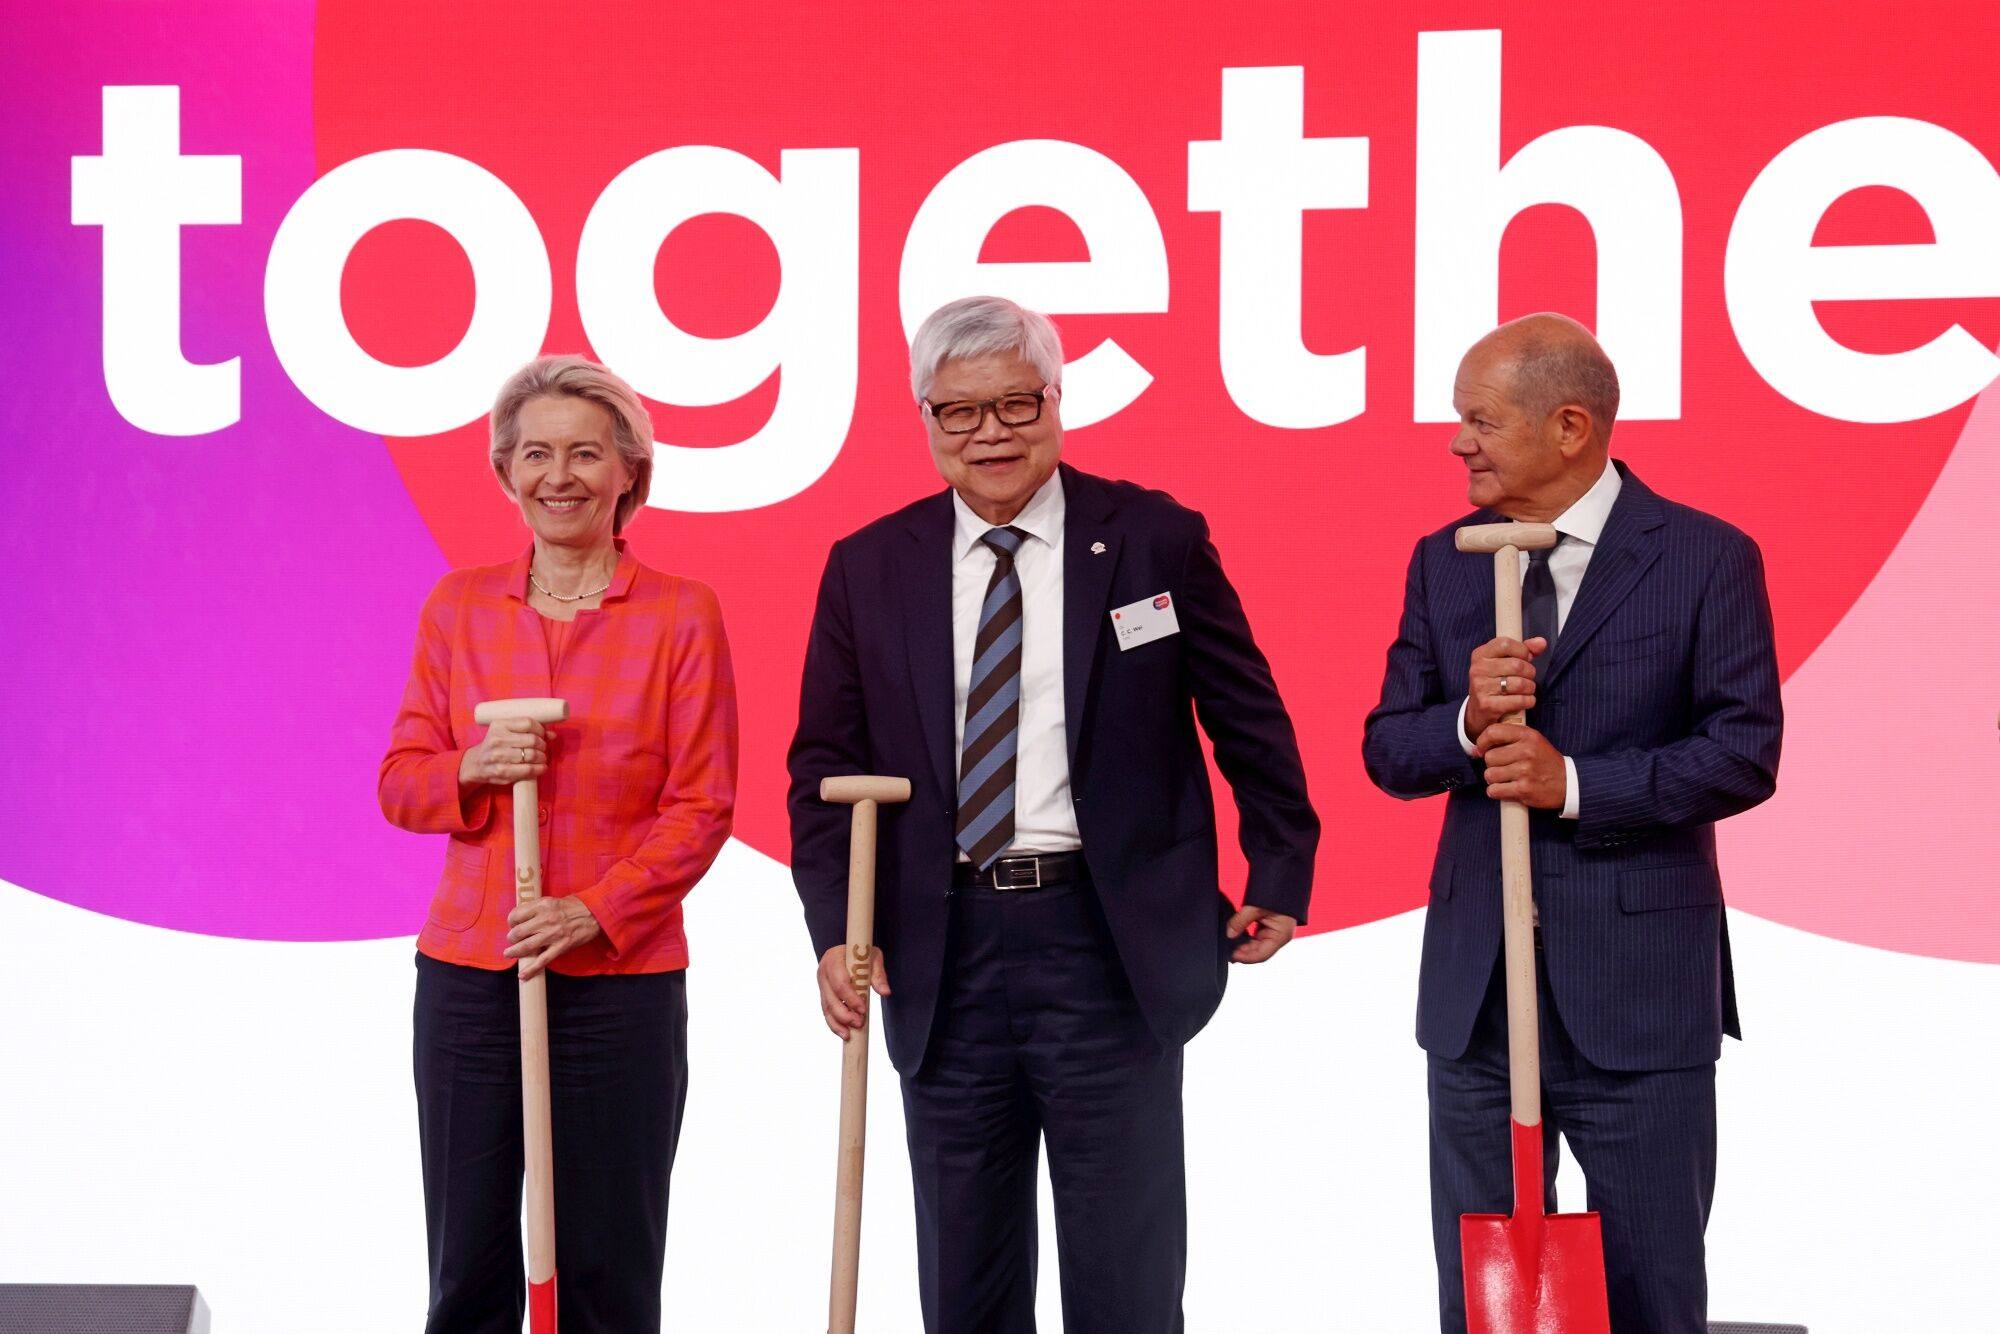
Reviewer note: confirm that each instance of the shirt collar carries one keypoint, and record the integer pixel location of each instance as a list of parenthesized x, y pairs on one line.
[(1040, 518), (1585, 520), (621, 577)]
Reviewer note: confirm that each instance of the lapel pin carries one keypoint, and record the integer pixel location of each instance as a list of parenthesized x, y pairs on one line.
[(1097, 548)]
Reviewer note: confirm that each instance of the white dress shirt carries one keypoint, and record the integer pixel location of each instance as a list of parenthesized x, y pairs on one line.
[(1581, 525), (1043, 819)]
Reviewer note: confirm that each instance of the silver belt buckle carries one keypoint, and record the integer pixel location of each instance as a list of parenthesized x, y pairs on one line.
[(1009, 867)]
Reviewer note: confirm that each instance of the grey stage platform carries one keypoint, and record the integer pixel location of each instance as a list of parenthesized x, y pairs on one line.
[(101, 1308), (51, 1308)]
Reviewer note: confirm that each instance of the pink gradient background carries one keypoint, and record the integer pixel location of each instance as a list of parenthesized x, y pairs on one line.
[(213, 632), (1891, 753)]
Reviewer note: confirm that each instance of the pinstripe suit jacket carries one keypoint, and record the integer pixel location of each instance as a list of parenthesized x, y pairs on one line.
[(1663, 687)]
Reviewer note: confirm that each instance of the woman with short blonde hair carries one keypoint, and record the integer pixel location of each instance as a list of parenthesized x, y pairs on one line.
[(637, 790)]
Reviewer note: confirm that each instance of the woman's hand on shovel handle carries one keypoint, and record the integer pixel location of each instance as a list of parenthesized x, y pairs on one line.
[(844, 1005), (1274, 929), (513, 749), (541, 929)]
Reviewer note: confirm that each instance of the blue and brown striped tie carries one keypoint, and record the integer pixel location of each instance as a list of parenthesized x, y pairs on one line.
[(992, 710)]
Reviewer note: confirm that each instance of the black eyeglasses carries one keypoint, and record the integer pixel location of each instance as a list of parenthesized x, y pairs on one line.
[(1012, 410)]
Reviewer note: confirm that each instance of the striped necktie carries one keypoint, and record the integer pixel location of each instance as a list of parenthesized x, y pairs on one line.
[(992, 710)]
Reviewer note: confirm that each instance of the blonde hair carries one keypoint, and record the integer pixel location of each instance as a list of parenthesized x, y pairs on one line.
[(578, 377)]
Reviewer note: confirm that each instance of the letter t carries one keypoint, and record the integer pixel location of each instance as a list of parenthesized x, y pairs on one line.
[(1261, 176), (141, 191)]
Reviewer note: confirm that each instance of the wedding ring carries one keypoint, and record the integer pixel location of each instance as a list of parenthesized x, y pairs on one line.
[(1503, 685), (524, 754)]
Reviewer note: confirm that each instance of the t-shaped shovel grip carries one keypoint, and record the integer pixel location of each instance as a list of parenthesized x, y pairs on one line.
[(527, 834), (537, 1137), (1517, 890), (864, 792), (521, 710)]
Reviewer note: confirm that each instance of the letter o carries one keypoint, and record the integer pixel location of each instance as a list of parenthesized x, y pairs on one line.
[(511, 284)]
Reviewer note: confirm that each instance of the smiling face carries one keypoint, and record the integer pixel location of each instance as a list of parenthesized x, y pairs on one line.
[(566, 473), (1526, 467), (997, 468)]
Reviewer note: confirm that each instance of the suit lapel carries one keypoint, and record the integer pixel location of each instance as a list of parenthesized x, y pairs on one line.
[(926, 604), (1090, 557), (1625, 550)]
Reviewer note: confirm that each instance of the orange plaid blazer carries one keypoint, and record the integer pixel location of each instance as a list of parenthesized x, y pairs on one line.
[(641, 784)]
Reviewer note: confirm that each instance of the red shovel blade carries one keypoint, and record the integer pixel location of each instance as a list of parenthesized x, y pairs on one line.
[(1534, 1273), (542, 1307)]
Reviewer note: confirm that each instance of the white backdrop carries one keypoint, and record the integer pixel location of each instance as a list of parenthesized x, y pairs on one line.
[(239, 1114)]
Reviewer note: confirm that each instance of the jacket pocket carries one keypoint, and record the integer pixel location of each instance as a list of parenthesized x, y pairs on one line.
[(461, 892), (1150, 864), (1624, 650), (1441, 878), (1680, 885)]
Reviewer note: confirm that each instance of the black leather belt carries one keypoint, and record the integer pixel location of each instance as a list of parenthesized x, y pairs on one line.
[(1032, 871)]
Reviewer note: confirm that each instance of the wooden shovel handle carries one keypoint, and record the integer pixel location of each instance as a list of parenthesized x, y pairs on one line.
[(537, 1138), (1517, 888), (860, 960)]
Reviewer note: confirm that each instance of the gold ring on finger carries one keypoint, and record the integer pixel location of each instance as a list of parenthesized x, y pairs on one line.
[(1503, 684)]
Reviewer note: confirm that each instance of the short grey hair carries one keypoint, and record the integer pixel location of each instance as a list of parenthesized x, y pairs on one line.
[(976, 326), (578, 377), (1551, 371)]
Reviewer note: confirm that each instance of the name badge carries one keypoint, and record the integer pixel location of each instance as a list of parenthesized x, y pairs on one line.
[(1144, 621)]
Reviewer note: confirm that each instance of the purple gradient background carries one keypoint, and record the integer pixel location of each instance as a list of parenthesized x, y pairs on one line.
[(207, 636), (204, 639)]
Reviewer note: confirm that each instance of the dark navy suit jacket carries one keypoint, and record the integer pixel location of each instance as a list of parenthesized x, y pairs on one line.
[(877, 698), (1663, 687)]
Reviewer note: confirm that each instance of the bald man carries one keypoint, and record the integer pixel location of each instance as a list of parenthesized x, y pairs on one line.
[(1652, 688)]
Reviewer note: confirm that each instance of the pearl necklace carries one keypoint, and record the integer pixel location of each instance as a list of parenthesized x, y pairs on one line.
[(545, 591)]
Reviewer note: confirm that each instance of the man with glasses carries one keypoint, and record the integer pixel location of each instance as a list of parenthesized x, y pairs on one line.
[(1031, 647)]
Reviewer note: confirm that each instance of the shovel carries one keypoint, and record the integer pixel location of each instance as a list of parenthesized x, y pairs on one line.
[(864, 793), (537, 1140), (1534, 1272)]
